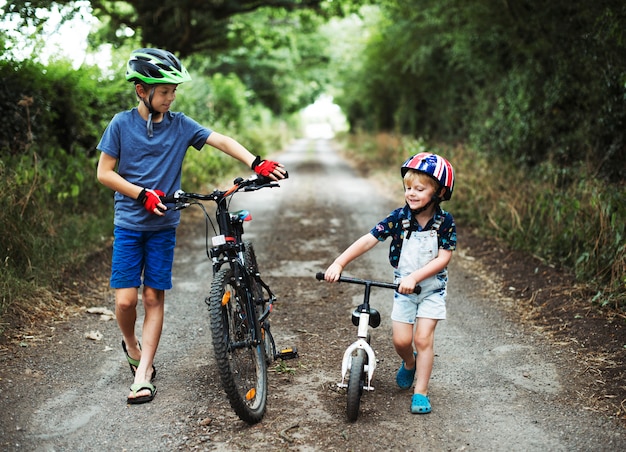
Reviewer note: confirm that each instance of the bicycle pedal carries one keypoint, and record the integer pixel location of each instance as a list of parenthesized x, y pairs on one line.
[(287, 353)]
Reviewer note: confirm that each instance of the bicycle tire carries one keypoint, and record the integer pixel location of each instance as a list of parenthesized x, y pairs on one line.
[(251, 265), (242, 369), (269, 346), (355, 384)]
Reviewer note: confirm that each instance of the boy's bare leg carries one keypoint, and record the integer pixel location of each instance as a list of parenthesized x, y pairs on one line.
[(424, 344), (126, 315), (402, 334), (154, 303)]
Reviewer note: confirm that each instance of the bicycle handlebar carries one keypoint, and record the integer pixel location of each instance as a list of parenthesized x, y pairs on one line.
[(254, 182), (365, 282)]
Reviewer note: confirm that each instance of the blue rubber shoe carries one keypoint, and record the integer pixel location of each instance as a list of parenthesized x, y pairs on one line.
[(420, 404), (404, 377)]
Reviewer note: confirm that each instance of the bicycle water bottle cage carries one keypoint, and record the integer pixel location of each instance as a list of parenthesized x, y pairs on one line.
[(374, 317), (240, 216)]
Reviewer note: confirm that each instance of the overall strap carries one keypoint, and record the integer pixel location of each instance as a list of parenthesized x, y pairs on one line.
[(437, 223), (409, 225)]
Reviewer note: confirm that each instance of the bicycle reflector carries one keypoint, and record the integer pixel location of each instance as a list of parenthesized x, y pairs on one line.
[(218, 240)]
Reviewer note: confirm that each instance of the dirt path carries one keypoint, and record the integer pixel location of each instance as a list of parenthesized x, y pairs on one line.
[(496, 385)]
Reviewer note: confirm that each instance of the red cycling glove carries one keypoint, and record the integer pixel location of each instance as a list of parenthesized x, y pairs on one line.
[(150, 198), (263, 167)]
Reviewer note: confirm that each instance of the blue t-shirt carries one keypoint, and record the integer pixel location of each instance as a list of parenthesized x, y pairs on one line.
[(392, 226), (150, 162)]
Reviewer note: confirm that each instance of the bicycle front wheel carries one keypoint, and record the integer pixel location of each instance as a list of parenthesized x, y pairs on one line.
[(356, 383), (241, 361), (259, 300)]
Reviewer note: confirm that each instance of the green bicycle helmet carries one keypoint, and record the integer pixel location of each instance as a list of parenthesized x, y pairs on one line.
[(155, 66)]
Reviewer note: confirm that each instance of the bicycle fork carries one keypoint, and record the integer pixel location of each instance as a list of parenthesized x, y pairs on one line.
[(360, 344)]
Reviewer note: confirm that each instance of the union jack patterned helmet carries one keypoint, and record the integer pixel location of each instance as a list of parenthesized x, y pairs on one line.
[(435, 166)]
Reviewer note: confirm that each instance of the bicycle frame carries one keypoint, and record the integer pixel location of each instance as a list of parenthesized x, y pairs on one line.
[(360, 343), (228, 243), (365, 321), (238, 307), (228, 246)]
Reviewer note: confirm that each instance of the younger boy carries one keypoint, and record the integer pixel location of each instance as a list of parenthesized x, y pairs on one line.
[(423, 238)]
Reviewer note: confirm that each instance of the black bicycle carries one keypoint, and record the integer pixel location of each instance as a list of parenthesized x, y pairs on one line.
[(239, 303), (359, 360)]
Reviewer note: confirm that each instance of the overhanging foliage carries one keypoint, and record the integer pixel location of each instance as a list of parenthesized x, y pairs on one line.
[(184, 28)]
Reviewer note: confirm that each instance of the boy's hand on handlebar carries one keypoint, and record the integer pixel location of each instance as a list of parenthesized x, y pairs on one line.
[(407, 285), (268, 168), (151, 200), (333, 273)]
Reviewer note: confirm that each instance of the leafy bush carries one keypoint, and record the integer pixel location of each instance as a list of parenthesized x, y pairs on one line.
[(56, 213), (531, 82), (571, 220), (223, 104)]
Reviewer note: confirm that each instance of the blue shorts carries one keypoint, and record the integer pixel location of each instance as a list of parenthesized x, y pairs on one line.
[(406, 308), (147, 252)]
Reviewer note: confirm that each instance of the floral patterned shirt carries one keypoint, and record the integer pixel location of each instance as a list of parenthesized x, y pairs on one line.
[(394, 226)]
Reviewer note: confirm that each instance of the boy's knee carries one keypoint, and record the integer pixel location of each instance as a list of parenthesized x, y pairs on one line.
[(423, 343), (153, 297), (402, 342), (126, 304)]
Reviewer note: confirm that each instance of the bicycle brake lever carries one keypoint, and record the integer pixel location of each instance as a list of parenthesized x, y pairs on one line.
[(264, 180), (261, 183)]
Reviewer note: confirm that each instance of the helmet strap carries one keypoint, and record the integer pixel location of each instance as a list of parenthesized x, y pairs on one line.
[(149, 128), (424, 207), (151, 111)]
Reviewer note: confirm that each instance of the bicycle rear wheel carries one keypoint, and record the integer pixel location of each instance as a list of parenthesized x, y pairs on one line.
[(241, 363), (356, 382)]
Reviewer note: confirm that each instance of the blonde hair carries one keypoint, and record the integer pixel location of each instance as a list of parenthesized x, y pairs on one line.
[(411, 176)]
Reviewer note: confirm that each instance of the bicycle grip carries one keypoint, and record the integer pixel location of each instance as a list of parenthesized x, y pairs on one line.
[(319, 276), (169, 199), (264, 180), (173, 198)]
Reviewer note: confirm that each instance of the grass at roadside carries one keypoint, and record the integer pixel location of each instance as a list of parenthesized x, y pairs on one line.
[(565, 217), (46, 239)]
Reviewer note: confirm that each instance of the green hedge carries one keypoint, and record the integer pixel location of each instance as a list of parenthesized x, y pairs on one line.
[(55, 214)]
